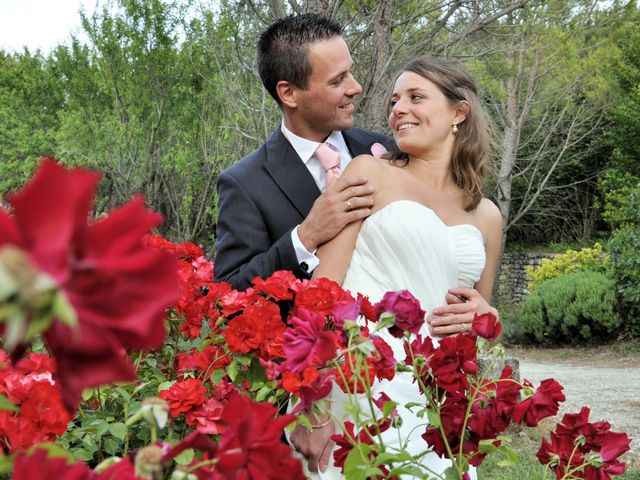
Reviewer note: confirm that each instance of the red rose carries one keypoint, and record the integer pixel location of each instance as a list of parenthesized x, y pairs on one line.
[(406, 310), (251, 446), (235, 301), (368, 310), (450, 363), (39, 465), (352, 376), (310, 392), (208, 418), (306, 342), (382, 359), (544, 403), (278, 286), (320, 295), (486, 326), (117, 287), (184, 396)]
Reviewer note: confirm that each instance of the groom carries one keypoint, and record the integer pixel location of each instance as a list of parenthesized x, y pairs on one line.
[(280, 203)]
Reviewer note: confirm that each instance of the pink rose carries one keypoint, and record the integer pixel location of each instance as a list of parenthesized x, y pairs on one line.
[(406, 310)]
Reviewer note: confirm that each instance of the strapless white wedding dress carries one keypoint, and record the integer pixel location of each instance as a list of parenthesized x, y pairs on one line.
[(405, 245)]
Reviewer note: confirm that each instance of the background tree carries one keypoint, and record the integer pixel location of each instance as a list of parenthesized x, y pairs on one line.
[(165, 94)]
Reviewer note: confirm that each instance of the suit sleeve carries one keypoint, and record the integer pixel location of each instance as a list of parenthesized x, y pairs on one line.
[(244, 249)]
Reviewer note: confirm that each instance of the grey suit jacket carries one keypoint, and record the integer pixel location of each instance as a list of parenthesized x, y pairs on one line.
[(260, 200)]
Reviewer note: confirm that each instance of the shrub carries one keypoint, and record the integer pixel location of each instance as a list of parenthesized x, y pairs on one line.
[(625, 252), (572, 308), (571, 261)]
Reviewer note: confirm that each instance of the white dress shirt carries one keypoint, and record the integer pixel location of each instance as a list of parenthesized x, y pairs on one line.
[(306, 151)]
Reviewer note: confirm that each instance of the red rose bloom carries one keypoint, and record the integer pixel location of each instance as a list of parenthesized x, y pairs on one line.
[(352, 375), (382, 359), (451, 362), (251, 447), (406, 310), (38, 465), (278, 286), (208, 418), (118, 288), (320, 295), (486, 326), (184, 396), (258, 329), (306, 342), (544, 403)]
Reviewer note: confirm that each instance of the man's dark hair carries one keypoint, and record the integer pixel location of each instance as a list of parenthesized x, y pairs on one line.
[(283, 49)]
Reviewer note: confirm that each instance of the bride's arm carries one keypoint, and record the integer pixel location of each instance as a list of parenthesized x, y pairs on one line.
[(491, 226), (335, 255), (463, 303)]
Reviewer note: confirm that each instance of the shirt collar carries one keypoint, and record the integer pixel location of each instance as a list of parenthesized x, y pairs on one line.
[(306, 148)]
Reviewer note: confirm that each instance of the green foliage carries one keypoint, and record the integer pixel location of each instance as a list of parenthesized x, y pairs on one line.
[(30, 97), (617, 189), (625, 251), (593, 259), (572, 308)]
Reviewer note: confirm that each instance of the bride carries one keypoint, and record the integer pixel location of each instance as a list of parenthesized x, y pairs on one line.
[(430, 231)]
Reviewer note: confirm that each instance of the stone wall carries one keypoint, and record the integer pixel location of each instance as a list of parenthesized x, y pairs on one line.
[(511, 282)]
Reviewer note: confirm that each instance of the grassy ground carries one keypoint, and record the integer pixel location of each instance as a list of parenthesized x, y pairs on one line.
[(526, 443)]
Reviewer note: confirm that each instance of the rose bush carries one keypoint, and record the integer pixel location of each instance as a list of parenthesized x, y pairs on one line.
[(209, 396)]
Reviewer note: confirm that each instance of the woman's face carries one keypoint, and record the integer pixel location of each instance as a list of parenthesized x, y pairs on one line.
[(421, 116)]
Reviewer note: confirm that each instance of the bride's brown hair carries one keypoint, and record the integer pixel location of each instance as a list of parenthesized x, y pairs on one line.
[(471, 147)]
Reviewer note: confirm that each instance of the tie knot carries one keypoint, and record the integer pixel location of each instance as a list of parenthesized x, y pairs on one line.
[(329, 158)]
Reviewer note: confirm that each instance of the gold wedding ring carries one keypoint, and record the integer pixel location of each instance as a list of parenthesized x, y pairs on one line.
[(349, 206)]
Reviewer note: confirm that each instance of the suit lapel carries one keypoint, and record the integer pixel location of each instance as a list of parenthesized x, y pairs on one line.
[(355, 146), (290, 173)]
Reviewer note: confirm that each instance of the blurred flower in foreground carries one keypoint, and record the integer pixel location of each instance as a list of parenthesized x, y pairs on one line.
[(92, 289)]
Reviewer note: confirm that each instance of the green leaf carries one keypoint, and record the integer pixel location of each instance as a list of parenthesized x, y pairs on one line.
[(165, 386), (87, 394), (111, 446), (256, 372), (82, 454), (434, 418), (54, 451), (451, 474), (232, 370), (150, 361), (511, 456), (487, 446), (217, 376), (6, 464), (185, 457), (388, 408), (118, 430), (243, 359), (101, 428), (409, 471), (354, 469), (262, 393), (5, 404), (410, 405), (305, 422)]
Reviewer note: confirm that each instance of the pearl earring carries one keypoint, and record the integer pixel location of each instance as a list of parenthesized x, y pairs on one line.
[(454, 128)]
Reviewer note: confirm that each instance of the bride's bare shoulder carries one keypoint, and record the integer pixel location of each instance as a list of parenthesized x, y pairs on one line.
[(368, 165)]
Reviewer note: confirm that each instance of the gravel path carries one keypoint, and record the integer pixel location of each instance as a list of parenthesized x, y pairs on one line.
[(612, 393)]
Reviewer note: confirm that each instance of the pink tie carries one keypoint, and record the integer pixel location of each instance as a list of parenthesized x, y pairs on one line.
[(330, 160)]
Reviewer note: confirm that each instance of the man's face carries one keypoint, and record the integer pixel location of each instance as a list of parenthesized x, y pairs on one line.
[(327, 104)]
